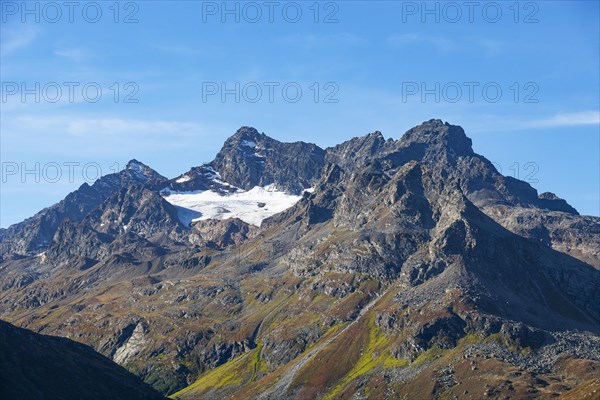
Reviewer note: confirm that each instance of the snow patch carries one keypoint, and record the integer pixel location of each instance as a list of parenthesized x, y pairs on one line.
[(215, 176), (249, 143), (252, 206), (184, 178)]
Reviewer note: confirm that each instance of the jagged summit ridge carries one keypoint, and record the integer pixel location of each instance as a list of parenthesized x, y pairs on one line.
[(356, 152), (249, 159), (412, 259), (246, 133), (142, 172), (438, 134)]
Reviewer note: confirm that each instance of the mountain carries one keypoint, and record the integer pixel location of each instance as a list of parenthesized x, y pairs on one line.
[(372, 269), (249, 159), (39, 367), (447, 150), (36, 233)]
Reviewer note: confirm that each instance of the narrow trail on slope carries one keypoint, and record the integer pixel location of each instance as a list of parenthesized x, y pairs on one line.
[(284, 382)]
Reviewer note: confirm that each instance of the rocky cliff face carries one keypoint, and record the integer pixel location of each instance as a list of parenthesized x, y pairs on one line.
[(250, 159), (413, 267), (356, 152), (570, 233), (447, 150)]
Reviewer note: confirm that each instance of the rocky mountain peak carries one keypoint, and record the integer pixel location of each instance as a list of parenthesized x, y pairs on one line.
[(354, 153), (247, 133), (376, 137), (551, 201), (439, 134), (140, 171), (549, 196), (249, 159), (245, 140), (133, 164)]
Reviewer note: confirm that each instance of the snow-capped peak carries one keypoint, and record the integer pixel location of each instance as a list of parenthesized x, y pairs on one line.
[(140, 170)]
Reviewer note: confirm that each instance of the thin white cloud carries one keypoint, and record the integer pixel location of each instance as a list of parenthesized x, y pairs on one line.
[(119, 127), (412, 38), (97, 137), (487, 123), (77, 55), (15, 39), (568, 119), (325, 40), (492, 47), (179, 49)]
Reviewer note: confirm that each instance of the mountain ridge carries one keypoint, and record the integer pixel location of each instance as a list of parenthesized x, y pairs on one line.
[(401, 257)]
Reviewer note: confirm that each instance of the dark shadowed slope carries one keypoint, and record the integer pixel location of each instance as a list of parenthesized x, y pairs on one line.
[(38, 367)]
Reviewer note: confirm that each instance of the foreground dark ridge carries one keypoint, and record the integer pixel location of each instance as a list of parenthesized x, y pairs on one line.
[(412, 269), (38, 367)]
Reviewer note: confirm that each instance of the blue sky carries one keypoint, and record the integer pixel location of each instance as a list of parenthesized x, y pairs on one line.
[(521, 78)]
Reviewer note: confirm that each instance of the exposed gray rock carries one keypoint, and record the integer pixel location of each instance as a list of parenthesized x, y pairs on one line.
[(133, 346), (250, 159)]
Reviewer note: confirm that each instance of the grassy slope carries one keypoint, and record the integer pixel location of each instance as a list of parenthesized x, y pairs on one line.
[(359, 360)]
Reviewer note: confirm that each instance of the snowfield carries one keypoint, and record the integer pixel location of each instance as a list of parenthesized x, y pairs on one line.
[(184, 178), (252, 206)]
